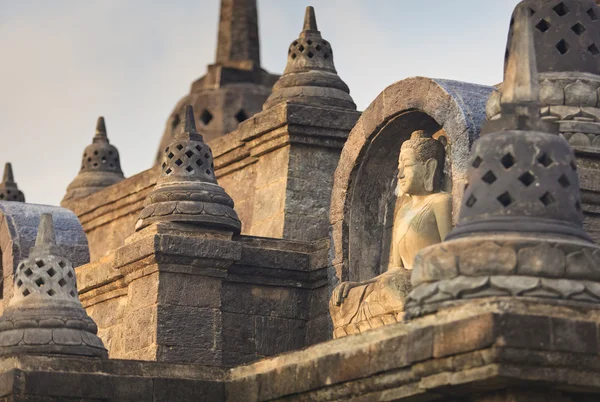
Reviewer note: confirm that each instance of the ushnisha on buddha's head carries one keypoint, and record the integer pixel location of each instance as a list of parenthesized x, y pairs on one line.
[(421, 165)]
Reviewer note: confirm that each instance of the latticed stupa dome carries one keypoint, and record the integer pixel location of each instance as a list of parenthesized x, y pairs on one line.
[(100, 166), (8, 188), (520, 231), (187, 190), (45, 316), (567, 44), (310, 76)]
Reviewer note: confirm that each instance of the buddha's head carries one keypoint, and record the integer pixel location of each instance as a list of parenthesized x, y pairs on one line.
[(420, 165)]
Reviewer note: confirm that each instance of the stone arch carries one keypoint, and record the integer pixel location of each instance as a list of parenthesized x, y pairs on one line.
[(18, 230), (368, 163)]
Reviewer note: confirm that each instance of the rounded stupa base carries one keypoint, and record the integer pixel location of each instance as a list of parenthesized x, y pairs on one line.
[(510, 265), (88, 183), (197, 202), (47, 330)]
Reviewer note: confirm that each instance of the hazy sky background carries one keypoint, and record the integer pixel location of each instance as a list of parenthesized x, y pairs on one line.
[(65, 62)]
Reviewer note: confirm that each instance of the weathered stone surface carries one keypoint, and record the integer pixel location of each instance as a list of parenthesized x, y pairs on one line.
[(368, 174), (46, 378), (478, 346), (9, 190), (100, 167), (44, 315), (235, 87)]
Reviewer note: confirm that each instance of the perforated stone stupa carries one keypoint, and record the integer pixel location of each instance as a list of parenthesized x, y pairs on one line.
[(310, 76), (8, 188), (235, 87), (100, 166), (567, 44), (44, 315), (520, 229), (187, 190)]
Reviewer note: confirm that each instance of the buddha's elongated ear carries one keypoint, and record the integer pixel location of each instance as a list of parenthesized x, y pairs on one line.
[(430, 169)]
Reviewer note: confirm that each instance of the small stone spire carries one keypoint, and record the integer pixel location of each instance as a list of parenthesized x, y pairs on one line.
[(520, 230), (520, 76), (310, 76), (100, 166), (519, 103), (8, 188), (45, 316), (100, 131), (238, 42), (310, 21), (187, 190)]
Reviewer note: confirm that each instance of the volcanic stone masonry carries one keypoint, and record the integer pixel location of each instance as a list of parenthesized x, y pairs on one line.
[(208, 276)]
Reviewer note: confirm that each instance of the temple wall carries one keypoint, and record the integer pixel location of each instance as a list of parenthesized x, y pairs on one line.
[(207, 299)]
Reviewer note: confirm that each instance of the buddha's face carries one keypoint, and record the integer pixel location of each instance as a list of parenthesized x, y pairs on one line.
[(411, 173)]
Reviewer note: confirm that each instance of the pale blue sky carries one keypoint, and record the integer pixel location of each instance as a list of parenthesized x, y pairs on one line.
[(65, 62)]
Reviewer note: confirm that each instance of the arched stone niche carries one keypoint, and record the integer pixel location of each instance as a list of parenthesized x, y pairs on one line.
[(18, 230), (363, 191)]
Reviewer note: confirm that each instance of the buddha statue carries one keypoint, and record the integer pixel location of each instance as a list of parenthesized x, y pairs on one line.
[(422, 217)]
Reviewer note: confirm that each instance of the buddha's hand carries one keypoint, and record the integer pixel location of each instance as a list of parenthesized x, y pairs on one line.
[(341, 291)]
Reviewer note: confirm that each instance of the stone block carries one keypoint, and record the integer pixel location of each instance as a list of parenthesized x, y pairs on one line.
[(421, 344), (138, 331), (524, 331), (189, 355), (306, 227), (265, 300), (242, 389), (272, 167), (187, 390), (318, 330), (239, 333), (185, 326), (143, 292), (464, 336), (574, 336), (269, 201), (278, 335), (189, 290)]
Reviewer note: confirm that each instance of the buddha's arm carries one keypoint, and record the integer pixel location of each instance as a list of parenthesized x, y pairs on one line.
[(443, 215)]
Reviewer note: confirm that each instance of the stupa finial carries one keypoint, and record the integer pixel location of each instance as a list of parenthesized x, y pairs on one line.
[(310, 20), (45, 235), (520, 106), (8, 176), (100, 131), (8, 188), (521, 76)]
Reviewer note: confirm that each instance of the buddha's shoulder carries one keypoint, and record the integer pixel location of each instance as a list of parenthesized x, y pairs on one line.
[(441, 199)]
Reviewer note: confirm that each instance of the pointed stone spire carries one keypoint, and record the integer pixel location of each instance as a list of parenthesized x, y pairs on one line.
[(45, 316), (310, 76), (310, 21), (520, 108), (520, 230), (8, 176), (187, 190), (238, 43), (100, 131), (520, 76), (100, 166), (8, 188)]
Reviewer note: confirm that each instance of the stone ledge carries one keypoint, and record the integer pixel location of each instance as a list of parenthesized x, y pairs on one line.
[(58, 378), (489, 343)]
